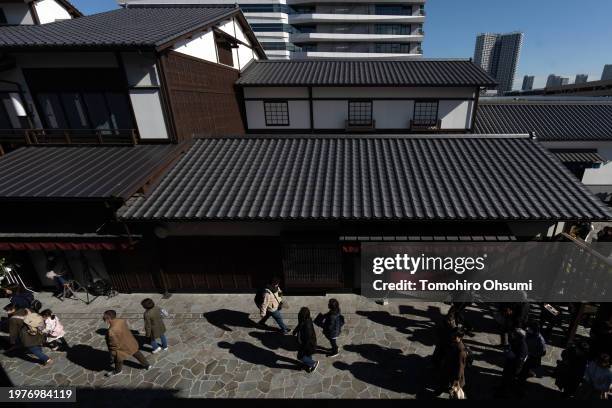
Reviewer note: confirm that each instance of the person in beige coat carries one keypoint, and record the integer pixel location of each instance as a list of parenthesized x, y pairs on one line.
[(121, 343), (272, 304)]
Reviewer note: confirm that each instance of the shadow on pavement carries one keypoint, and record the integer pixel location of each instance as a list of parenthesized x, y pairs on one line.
[(88, 357), (224, 318), (260, 356), (388, 368), (276, 341)]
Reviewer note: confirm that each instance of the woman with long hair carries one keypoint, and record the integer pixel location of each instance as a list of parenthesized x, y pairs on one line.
[(307, 340)]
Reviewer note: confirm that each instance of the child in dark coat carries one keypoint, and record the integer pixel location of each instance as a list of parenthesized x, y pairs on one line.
[(332, 325)]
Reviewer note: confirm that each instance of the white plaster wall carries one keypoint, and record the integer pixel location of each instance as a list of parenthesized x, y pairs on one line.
[(299, 115), (49, 11), (330, 114), (600, 176), (280, 92), (454, 114), (392, 114), (147, 107), (202, 46), (17, 13), (140, 69), (393, 92)]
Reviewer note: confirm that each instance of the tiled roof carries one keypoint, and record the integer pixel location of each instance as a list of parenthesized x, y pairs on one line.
[(79, 171), (365, 73), (364, 178), (578, 156), (553, 120), (139, 27)]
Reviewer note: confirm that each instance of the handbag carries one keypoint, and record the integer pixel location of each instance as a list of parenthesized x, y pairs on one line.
[(456, 392), (318, 321)]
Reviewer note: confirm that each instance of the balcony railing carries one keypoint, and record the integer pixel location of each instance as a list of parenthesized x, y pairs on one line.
[(69, 136), (420, 126)]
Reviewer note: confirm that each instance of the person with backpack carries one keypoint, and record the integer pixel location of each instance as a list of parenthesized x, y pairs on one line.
[(121, 343), (307, 340), (26, 330), (270, 302), (54, 331), (332, 323), (154, 326)]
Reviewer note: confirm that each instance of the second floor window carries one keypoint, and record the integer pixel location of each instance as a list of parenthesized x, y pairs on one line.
[(360, 113), (277, 113), (425, 113)]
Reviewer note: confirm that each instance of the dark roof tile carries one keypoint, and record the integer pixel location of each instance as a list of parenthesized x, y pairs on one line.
[(335, 177), (365, 73), (145, 27), (79, 171), (554, 120)]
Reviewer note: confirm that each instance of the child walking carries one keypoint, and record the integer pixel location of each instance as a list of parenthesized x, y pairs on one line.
[(54, 331)]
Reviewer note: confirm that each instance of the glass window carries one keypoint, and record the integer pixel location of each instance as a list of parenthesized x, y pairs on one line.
[(98, 111), (277, 113), (360, 112), (391, 10), (121, 117), (393, 48), (392, 29), (74, 108), (425, 113), (53, 115)]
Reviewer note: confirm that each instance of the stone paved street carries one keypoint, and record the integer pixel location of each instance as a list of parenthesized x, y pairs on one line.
[(216, 351)]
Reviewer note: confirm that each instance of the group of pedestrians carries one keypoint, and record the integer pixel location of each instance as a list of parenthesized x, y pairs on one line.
[(270, 302), (584, 371), (30, 331)]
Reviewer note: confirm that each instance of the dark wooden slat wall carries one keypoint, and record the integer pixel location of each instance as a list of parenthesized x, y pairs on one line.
[(203, 97)]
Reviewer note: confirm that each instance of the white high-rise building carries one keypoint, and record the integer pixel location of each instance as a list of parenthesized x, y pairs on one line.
[(294, 29)]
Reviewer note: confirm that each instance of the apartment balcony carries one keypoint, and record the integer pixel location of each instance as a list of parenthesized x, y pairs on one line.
[(348, 54), (69, 136), (300, 2), (309, 18), (339, 37)]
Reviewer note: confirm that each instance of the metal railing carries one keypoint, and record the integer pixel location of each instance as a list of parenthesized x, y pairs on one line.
[(68, 136)]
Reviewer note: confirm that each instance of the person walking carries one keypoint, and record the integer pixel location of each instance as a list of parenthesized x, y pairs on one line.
[(443, 331), (307, 340), (121, 343), (54, 331), (597, 382), (154, 326), (271, 305), (26, 330), (452, 367), (332, 326), (516, 356), (570, 369)]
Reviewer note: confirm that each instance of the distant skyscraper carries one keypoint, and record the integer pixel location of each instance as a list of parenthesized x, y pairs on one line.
[(527, 83), (606, 75), (581, 78), (498, 54), (556, 80)]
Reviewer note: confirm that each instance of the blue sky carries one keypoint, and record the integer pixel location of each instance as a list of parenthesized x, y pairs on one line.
[(564, 37)]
